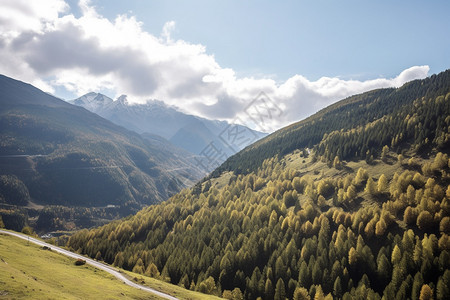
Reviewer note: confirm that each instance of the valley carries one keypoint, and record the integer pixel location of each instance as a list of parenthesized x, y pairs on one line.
[(64, 168), (328, 207), (239, 150)]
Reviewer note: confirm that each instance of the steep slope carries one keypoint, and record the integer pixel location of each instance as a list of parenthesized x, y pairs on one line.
[(186, 131), (66, 155), (299, 225)]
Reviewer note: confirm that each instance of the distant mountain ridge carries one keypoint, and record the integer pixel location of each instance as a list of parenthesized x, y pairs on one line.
[(186, 131), (56, 153)]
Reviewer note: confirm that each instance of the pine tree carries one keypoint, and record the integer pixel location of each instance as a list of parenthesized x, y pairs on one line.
[(384, 153), (408, 216), (268, 289), (337, 162), (383, 268), (119, 260), (351, 193), (361, 176), (371, 187), (352, 256), (337, 287), (138, 267), (237, 294), (319, 293), (417, 285), (303, 275), (280, 268), (184, 282), (321, 202), (380, 228), (396, 255), (301, 293), (280, 291), (317, 273), (382, 184), (443, 286), (152, 271)]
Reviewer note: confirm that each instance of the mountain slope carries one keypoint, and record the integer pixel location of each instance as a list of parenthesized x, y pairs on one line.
[(352, 113), (186, 131), (299, 225), (66, 155)]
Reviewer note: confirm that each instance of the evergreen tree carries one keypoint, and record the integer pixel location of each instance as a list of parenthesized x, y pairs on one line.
[(417, 285), (443, 286), (382, 184), (337, 288), (280, 291), (352, 257), (371, 187), (384, 153), (337, 162), (396, 255), (301, 293), (268, 289), (319, 293)]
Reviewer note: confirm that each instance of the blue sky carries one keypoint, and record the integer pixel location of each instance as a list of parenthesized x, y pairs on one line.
[(349, 39), (212, 58)]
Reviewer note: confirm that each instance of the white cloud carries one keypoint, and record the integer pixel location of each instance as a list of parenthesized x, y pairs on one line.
[(47, 46), (18, 16)]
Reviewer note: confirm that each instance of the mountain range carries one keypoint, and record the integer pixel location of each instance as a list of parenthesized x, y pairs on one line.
[(189, 132), (53, 153)]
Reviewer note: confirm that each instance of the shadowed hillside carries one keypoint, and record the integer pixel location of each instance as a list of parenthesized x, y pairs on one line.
[(55, 153)]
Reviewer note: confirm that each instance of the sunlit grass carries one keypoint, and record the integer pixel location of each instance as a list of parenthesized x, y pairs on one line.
[(28, 271)]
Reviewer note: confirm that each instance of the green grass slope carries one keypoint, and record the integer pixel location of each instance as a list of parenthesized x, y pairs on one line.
[(28, 271)]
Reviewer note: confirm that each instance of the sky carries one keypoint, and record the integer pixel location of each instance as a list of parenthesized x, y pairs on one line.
[(218, 59)]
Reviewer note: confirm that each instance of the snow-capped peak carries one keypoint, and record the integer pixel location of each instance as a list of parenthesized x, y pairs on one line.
[(92, 101)]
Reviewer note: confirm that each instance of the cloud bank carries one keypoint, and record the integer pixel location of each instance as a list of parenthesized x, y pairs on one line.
[(45, 44)]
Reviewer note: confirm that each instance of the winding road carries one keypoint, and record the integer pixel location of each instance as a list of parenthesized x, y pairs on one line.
[(93, 263)]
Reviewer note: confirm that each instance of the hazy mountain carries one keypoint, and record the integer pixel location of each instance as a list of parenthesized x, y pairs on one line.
[(56, 153), (351, 203), (189, 132), (92, 101)]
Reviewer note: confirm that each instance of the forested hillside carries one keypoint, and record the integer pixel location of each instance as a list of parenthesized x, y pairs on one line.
[(352, 203), (56, 154), (358, 127)]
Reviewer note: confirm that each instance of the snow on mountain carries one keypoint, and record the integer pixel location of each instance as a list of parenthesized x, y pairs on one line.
[(186, 131), (92, 101)]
